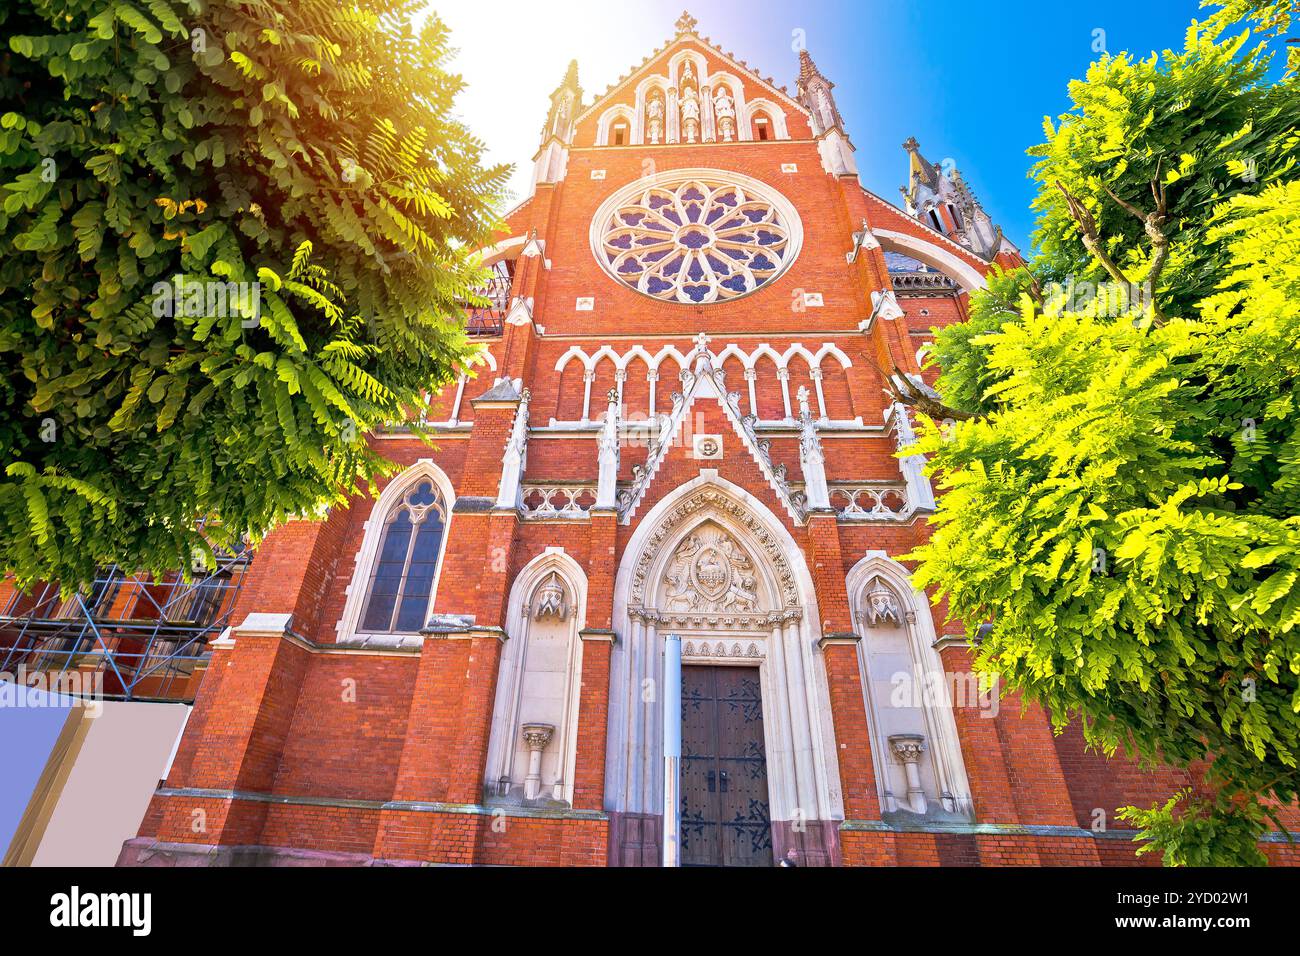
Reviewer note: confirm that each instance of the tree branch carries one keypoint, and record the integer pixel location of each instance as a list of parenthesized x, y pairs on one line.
[(1153, 225), (1091, 238), (904, 390), (1035, 288)]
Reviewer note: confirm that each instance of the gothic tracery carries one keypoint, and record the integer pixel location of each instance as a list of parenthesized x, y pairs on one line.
[(696, 239)]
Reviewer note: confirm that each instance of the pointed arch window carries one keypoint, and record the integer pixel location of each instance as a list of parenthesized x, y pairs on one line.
[(401, 582)]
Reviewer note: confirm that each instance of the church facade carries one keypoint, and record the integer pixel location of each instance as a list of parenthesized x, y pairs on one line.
[(669, 484)]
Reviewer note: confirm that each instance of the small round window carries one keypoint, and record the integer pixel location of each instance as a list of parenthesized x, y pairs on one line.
[(696, 236)]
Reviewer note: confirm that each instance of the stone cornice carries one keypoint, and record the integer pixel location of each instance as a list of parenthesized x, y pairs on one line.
[(832, 638)]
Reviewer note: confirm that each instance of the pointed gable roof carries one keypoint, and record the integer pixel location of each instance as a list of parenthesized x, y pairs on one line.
[(705, 381), (687, 37)]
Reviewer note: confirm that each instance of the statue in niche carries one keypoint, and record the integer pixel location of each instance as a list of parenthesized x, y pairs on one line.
[(655, 118), (690, 113), (724, 107), (824, 108), (561, 118)]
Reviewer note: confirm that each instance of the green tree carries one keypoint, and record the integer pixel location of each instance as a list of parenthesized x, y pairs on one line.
[(234, 238), (1122, 483)]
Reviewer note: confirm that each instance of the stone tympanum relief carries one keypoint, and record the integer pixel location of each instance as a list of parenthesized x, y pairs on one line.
[(711, 572)]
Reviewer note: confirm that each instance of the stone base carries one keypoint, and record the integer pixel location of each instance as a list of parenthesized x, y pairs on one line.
[(144, 851)]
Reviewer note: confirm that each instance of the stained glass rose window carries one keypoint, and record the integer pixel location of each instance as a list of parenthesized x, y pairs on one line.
[(696, 236)]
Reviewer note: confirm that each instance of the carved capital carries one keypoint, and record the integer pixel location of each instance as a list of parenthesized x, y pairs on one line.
[(537, 736), (907, 748)]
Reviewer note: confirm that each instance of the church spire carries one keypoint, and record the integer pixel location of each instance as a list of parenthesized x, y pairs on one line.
[(566, 101), (938, 196), (813, 91), (814, 94), (552, 159)]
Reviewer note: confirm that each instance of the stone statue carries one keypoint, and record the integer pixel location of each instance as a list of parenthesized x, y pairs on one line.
[(825, 109), (724, 107), (690, 113), (655, 114), (690, 105)]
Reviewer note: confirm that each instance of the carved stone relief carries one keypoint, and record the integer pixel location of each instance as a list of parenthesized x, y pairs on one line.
[(720, 581), (882, 608), (710, 572)]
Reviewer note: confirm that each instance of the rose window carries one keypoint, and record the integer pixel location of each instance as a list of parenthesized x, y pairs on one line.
[(696, 239)]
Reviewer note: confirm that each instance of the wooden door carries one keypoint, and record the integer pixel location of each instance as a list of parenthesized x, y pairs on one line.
[(725, 819)]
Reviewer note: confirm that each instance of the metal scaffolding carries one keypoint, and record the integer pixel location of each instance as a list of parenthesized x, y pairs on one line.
[(490, 320), (126, 636)]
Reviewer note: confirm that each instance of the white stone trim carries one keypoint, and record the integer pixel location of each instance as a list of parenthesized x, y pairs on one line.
[(503, 249), (714, 50), (941, 726), (705, 386), (506, 707), (774, 113), (606, 125), (803, 775), (932, 254), (684, 359), (488, 359)]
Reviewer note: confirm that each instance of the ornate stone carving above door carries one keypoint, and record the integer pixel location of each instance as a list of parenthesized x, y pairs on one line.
[(706, 499), (710, 572)]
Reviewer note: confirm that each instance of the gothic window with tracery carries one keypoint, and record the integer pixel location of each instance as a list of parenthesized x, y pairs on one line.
[(696, 239), (401, 582)]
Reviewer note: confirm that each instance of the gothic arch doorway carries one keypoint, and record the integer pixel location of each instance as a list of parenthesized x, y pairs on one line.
[(713, 565)]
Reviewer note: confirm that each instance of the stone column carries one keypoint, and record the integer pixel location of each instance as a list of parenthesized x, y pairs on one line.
[(536, 737), (607, 451), (907, 749), (816, 376)]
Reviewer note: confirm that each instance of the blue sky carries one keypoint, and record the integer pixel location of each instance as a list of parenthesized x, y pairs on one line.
[(971, 81)]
